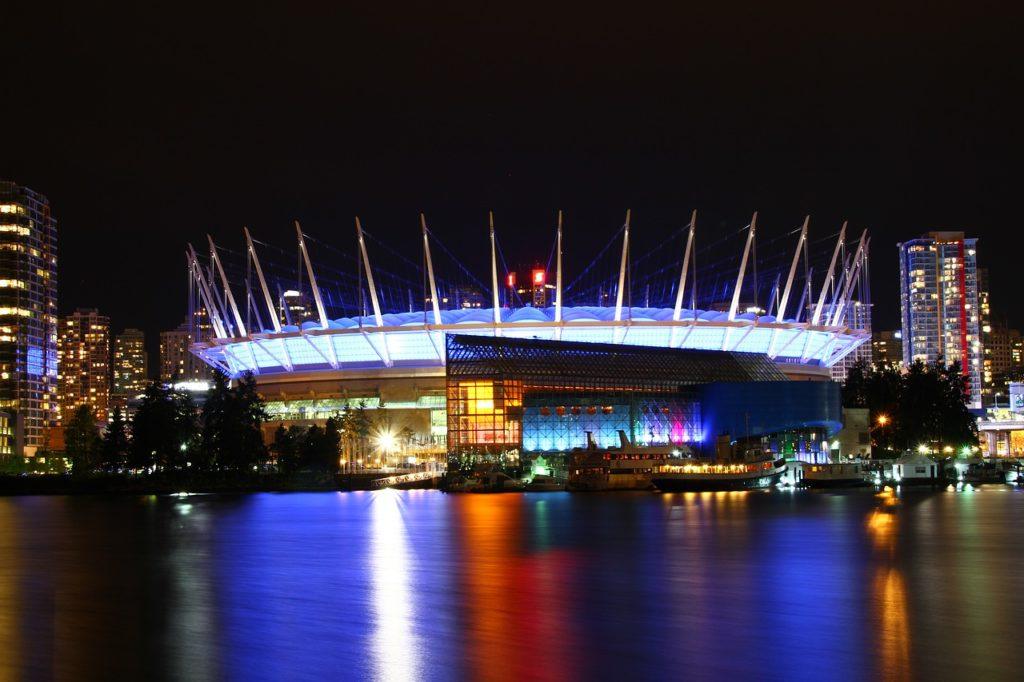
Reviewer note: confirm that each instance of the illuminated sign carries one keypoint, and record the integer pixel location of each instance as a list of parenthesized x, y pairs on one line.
[(538, 277)]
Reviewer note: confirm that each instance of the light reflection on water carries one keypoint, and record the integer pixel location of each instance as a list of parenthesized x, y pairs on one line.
[(396, 649), (421, 585)]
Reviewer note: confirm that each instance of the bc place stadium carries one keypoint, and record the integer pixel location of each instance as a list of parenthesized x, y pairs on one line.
[(694, 344)]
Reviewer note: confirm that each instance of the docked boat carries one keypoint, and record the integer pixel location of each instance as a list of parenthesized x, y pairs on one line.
[(627, 467), (978, 471), (835, 475), (497, 482), (484, 482), (702, 476), (542, 483), (461, 484)]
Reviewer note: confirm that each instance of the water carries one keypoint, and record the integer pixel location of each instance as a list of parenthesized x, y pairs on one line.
[(421, 585)]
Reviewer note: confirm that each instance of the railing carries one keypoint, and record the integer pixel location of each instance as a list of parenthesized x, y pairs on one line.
[(399, 479)]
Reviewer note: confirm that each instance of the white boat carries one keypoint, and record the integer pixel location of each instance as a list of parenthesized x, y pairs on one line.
[(704, 476)]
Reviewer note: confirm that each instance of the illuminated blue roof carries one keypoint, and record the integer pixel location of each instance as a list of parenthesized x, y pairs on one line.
[(524, 315)]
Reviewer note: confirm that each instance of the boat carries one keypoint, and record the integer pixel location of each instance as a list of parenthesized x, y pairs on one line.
[(461, 484), (542, 483), (835, 475), (979, 471), (496, 482), (707, 475), (627, 467)]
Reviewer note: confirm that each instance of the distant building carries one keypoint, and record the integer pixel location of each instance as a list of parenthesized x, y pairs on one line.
[(887, 348), (174, 354), (28, 311), (860, 318), (176, 362), (295, 307), (466, 297), (533, 292), (84, 354), (854, 439), (940, 306), (1001, 345), (9, 438), (131, 364), (1001, 429)]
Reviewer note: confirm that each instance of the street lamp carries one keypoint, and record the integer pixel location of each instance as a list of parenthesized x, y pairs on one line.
[(386, 443)]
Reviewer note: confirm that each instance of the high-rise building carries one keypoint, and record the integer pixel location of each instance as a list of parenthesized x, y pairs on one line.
[(131, 364), (176, 361), (859, 318), (940, 306), (295, 307), (1000, 343), (887, 348), (28, 312), (84, 351), (985, 320), (174, 354)]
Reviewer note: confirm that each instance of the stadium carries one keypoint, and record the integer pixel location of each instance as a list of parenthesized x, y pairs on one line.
[(320, 338)]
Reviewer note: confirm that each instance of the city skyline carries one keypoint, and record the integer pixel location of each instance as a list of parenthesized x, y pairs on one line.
[(655, 116), (980, 283)]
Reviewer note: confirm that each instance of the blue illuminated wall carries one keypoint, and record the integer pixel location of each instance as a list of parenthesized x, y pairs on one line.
[(765, 408)]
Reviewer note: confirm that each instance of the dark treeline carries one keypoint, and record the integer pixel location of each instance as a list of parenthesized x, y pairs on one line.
[(923, 405), (169, 433)]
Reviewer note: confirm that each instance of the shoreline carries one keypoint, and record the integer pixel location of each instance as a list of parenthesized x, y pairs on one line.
[(158, 484)]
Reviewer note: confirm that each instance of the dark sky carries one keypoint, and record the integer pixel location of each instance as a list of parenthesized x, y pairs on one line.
[(149, 126)]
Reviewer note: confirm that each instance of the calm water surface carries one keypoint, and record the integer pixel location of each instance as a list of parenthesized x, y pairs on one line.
[(422, 585)]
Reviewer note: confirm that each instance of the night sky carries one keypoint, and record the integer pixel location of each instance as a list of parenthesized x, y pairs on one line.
[(150, 126)]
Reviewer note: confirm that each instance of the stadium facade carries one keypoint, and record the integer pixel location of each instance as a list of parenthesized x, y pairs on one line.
[(312, 366)]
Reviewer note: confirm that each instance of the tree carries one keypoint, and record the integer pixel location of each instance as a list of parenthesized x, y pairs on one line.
[(232, 436), (360, 425), (164, 430), (286, 447), (309, 447), (855, 388), (923, 405), (215, 413), (114, 448), (331, 446), (247, 417), (185, 432), (82, 440), (319, 447)]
